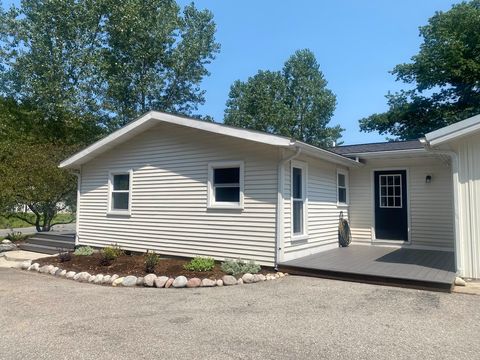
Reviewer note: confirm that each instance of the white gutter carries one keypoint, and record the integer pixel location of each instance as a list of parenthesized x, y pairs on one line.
[(78, 174), (456, 208), (280, 202)]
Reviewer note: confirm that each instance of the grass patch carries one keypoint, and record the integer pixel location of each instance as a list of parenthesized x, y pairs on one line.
[(17, 223)]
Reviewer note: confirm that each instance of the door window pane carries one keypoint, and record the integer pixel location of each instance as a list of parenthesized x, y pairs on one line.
[(390, 191)]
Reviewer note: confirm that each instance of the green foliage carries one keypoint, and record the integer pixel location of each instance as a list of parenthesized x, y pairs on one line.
[(13, 222), (84, 251), (109, 254), (294, 102), (64, 255), (151, 260), (237, 267), (200, 263), (445, 75), (15, 236)]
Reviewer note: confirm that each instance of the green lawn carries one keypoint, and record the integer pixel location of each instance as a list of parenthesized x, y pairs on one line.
[(17, 223)]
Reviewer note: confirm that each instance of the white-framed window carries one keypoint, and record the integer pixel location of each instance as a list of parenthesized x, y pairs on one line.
[(342, 187), (299, 199), (225, 185), (120, 192), (390, 191)]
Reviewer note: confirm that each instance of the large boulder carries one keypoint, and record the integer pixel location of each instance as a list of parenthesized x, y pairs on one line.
[(229, 280), (149, 280), (180, 282), (248, 278)]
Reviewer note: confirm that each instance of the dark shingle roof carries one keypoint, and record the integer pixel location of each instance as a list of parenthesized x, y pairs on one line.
[(376, 147)]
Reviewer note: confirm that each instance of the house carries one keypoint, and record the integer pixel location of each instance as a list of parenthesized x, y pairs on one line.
[(185, 187)]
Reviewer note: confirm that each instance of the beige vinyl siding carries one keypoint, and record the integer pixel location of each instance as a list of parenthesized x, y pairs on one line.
[(169, 197), (322, 210), (468, 150), (431, 205)]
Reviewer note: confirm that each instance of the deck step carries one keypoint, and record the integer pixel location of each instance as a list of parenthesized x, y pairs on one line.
[(55, 236), (54, 243), (39, 248)]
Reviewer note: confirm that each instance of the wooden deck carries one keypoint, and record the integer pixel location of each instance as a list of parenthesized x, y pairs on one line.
[(426, 269)]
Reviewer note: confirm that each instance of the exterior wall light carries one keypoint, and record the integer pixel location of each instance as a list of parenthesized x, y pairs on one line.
[(428, 179)]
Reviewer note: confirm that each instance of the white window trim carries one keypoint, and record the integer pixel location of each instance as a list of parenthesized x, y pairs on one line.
[(347, 187), (111, 211), (211, 204), (304, 167)]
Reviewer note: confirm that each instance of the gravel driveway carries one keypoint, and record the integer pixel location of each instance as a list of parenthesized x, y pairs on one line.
[(43, 317)]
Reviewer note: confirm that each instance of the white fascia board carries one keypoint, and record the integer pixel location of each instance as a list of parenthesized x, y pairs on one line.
[(454, 131), (388, 153), (326, 155)]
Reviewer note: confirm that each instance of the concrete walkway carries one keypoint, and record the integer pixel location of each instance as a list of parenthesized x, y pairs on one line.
[(12, 259), (290, 318), (32, 230)]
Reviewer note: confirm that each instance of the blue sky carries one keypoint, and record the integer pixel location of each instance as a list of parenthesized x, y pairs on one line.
[(356, 44)]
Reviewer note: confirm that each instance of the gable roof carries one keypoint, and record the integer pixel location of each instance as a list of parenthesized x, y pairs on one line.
[(454, 131), (155, 117), (377, 147)]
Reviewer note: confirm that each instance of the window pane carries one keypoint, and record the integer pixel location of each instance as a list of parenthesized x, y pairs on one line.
[(298, 217), (341, 180), (390, 191), (121, 182), (227, 194), (226, 176), (398, 201), (382, 180), (342, 195), (383, 201), (383, 190), (297, 183), (390, 202), (120, 201)]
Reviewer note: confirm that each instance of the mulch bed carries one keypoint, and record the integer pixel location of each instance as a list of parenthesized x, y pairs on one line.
[(132, 265)]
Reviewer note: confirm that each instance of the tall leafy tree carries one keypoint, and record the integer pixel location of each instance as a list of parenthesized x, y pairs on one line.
[(294, 102), (445, 75)]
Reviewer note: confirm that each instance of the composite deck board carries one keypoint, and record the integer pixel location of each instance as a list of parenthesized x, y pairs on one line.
[(385, 262)]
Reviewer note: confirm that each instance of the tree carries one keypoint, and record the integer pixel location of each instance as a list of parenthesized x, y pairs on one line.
[(445, 75), (294, 102)]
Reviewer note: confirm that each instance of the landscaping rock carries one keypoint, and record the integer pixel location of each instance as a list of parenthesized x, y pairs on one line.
[(34, 267), (169, 282), (7, 247), (281, 274), (98, 279), (247, 278), (460, 282), (194, 282), (77, 276), (25, 264), (149, 280), (70, 274), (140, 281), (161, 281), (43, 269), (54, 270), (63, 273), (91, 279), (208, 283), (180, 282), (258, 277), (240, 281), (113, 278), (6, 241), (219, 282), (129, 281), (58, 272), (229, 280), (117, 281), (84, 277), (107, 279)]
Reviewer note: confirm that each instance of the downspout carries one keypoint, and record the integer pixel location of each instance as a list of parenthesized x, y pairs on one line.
[(280, 201), (78, 174), (457, 229)]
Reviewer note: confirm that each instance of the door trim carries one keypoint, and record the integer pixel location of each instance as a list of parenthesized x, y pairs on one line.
[(372, 189)]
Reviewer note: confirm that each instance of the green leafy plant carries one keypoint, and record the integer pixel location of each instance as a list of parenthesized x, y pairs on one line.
[(239, 266), (84, 251), (109, 254), (64, 255), (200, 263), (15, 236), (151, 260)]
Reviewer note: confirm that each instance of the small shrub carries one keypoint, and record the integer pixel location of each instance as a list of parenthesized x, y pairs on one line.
[(109, 254), (84, 251), (151, 260), (15, 236), (237, 267), (200, 263), (64, 255)]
